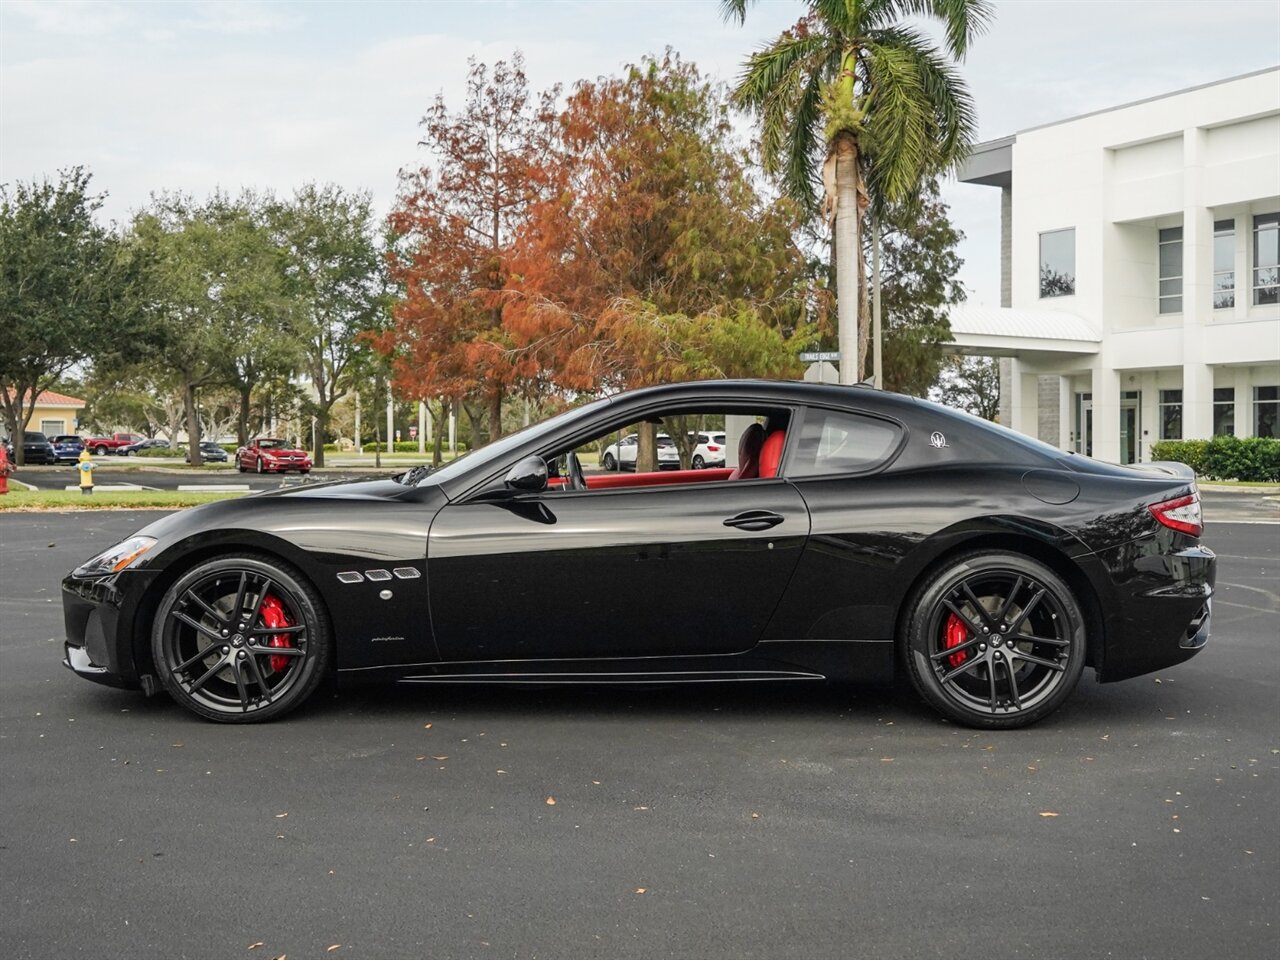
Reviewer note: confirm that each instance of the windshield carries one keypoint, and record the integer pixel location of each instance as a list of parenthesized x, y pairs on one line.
[(268, 444), (478, 458)]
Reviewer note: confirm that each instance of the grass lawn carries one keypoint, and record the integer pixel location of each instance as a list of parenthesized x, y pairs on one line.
[(19, 499)]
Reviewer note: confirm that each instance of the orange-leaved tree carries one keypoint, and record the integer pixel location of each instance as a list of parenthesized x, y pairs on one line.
[(454, 225)]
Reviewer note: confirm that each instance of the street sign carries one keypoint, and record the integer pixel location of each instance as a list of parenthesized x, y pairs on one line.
[(815, 356)]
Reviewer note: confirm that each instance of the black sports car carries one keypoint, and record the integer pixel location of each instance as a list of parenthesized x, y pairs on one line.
[(859, 533)]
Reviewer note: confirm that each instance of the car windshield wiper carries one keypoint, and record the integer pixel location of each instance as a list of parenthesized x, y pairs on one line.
[(410, 478)]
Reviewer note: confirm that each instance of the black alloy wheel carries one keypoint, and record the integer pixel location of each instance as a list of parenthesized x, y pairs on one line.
[(698, 462), (609, 462), (241, 639), (995, 640)]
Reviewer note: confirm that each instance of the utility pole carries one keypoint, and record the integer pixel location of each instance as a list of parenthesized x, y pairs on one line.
[(877, 369)]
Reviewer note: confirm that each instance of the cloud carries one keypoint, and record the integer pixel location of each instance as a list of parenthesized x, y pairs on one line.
[(74, 17)]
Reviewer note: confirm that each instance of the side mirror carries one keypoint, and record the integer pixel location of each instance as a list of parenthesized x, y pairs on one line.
[(529, 474)]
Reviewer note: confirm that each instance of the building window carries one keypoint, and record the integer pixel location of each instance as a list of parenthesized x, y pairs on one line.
[(1266, 411), (1170, 414), (1224, 264), (1171, 270), (1058, 263), (53, 428), (1266, 258), (1224, 412)]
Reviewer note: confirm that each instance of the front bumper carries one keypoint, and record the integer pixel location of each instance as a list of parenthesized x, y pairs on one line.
[(98, 613)]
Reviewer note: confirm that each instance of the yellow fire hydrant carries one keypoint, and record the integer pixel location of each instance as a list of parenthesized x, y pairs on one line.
[(85, 466)]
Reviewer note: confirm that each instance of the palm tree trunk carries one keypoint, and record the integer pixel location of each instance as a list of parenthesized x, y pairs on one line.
[(848, 256)]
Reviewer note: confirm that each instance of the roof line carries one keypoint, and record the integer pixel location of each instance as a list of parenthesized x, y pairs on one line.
[(1159, 96)]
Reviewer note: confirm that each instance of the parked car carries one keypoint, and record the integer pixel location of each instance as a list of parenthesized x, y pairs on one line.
[(67, 448), (210, 452), (861, 533), (622, 454), (116, 443), (36, 448), (154, 443), (709, 451), (272, 455)]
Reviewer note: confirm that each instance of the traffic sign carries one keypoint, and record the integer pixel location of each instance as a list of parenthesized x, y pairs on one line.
[(817, 356)]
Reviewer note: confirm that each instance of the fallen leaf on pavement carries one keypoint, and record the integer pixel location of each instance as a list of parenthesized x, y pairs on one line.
[(1047, 813), (333, 948), (641, 889), (551, 801), (281, 816), (255, 946)]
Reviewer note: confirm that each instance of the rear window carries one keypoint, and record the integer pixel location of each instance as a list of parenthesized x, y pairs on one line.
[(834, 443), (32, 437)]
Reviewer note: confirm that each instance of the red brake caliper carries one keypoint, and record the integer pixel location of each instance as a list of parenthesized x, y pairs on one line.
[(954, 633), (273, 615)]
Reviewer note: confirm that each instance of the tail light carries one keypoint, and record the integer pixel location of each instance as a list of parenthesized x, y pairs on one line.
[(1182, 514), (713, 448)]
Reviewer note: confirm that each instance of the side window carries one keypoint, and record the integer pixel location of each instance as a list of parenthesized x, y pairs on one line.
[(833, 443)]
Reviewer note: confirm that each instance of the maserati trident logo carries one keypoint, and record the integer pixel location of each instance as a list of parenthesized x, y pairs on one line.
[(937, 439)]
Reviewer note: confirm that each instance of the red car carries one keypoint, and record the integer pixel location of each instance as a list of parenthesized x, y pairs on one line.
[(271, 455)]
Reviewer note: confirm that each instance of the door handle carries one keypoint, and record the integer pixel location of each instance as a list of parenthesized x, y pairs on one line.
[(754, 520)]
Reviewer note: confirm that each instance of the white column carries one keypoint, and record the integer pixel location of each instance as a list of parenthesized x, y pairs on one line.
[(1025, 400), (1244, 402), (1148, 414), (453, 429), (1065, 399), (1197, 291), (422, 427), (431, 423), (1197, 399), (1106, 410)]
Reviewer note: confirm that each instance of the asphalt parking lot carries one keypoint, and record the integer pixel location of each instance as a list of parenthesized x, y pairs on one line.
[(732, 821)]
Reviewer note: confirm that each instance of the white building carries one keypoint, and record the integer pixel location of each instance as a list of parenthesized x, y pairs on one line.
[(1140, 287)]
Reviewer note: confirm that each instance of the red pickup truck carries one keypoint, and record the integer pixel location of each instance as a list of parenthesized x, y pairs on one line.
[(101, 446)]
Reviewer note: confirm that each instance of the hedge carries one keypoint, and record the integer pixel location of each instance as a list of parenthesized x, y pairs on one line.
[(1255, 459)]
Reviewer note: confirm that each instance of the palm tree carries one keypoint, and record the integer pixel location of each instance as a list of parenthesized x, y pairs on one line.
[(871, 102)]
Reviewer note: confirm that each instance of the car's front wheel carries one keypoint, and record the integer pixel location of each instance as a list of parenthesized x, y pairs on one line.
[(260, 468), (995, 640), (240, 639), (609, 462), (698, 462)]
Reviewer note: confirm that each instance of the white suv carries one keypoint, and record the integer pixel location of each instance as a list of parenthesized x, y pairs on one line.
[(622, 454), (710, 451)]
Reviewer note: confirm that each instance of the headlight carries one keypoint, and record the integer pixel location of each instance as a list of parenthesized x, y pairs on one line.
[(116, 558)]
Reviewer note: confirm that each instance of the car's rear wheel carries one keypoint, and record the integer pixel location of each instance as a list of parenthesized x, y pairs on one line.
[(995, 640), (100, 451), (241, 639), (609, 462)]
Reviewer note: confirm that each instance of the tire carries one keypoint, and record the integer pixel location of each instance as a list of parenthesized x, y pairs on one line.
[(958, 653), (698, 462), (240, 466), (259, 467), (304, 472), (100, 451), (236, 677), (609, 463)]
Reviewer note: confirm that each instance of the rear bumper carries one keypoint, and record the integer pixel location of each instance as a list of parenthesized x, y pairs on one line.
[(1164, 609)]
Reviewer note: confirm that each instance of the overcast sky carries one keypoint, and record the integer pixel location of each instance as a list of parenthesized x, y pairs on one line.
[(192, 96)]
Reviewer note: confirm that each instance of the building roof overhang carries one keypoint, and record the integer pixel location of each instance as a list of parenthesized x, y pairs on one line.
[(1015, 331)]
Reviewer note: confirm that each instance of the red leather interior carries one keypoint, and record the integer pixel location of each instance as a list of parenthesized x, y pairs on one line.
[(749, 453), (771, 453), (607, 481)]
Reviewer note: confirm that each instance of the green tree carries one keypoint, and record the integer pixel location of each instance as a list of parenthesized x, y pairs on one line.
[(855, 92), (972, 384), (336, 282), (63, 290)]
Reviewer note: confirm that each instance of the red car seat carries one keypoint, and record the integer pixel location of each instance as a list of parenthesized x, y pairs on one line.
[(771, 453)]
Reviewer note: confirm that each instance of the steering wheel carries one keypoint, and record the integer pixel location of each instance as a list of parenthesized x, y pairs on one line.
[(576, 480)]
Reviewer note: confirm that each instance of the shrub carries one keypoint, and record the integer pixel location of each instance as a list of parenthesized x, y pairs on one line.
[(404, 446), (1191, 452), (1253, 459)]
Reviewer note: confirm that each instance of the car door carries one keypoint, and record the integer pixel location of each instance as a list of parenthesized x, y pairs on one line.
[(613, 573)]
